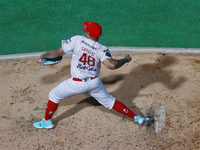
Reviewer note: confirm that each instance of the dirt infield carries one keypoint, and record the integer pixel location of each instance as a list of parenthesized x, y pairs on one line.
[(147, 82)]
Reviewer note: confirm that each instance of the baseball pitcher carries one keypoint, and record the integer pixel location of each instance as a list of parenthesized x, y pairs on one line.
[(87, 56)]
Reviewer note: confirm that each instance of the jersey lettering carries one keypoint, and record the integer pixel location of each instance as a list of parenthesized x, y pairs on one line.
[(88, 45), (88, 51), (89, 68)]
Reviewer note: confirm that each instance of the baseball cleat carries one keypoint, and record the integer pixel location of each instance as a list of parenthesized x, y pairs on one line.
[(44, 124), (143, 121)]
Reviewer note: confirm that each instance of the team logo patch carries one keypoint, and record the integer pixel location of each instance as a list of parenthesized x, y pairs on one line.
[(107, 53), (67, 41)]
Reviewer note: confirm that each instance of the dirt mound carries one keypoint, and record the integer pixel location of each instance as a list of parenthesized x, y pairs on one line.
[(147, 82)]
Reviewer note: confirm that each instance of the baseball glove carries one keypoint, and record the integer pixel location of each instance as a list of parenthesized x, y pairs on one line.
[(52, 61)]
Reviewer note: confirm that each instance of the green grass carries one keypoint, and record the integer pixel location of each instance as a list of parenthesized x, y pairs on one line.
[(32, 26)]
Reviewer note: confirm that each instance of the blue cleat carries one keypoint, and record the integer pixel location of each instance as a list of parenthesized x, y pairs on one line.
[(143, 121), (44, 124)]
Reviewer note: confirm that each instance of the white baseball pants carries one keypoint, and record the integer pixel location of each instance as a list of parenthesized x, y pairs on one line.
[(94, 87)]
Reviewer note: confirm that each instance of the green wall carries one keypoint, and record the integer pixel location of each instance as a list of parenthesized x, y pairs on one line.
[(40, 25)]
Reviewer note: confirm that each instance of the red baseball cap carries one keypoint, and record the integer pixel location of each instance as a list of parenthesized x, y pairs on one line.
[(92, 28)]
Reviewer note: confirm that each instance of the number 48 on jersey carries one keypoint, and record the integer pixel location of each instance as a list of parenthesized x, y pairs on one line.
[(87, 59)]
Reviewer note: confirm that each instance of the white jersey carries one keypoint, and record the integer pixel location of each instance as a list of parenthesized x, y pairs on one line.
[(87, 56)]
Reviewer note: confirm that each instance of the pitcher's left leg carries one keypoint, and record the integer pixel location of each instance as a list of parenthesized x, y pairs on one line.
[(108, 101)]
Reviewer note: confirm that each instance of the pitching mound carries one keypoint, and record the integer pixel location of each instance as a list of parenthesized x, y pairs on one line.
[(148, 82)]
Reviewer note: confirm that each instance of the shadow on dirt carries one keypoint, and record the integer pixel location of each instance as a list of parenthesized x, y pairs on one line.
[(64, 72), (139, 78)]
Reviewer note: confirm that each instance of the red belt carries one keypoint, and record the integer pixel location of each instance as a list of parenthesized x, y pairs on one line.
[(86, 79)]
